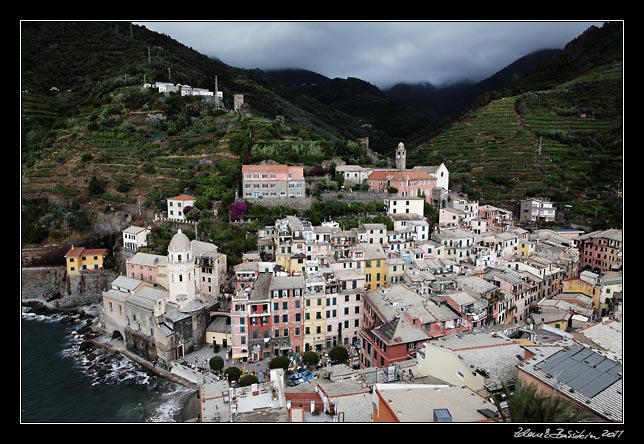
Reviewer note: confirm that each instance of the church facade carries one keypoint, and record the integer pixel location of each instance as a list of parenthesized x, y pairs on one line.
[(160, 323)]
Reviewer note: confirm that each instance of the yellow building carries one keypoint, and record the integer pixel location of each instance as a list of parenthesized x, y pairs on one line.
[(526, 247), (396, 270), (556, 319), (375, 266), (314, 316), (80, 259)]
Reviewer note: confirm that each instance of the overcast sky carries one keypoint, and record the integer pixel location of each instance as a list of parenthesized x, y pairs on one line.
[(382, 53)]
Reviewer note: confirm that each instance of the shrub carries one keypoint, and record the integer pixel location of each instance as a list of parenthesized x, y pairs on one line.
[(247, 380), (392, 190), (216, 363), (216, 348), (310, 358), (339, 354), (232, 373), (279, 362)]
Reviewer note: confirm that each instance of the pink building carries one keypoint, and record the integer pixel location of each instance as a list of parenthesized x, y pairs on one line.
[(601, 251), (409, 183), (152, 268), (272, 180), (286, 296)]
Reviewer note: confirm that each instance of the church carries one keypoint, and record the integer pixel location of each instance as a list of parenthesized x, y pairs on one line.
[(160, 323)]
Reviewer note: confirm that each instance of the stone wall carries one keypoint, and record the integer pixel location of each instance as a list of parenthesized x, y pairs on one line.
[(53, 284), (299, 203), (362, 197)]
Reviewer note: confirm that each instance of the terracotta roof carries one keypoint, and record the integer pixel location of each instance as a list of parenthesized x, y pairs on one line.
[(382, 175), (74, 252), (264, 168), (182, 197), (95, 252)]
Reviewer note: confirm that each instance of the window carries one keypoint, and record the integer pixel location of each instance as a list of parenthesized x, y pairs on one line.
[(297, 331), (285, 332), (277, 334), (357, 297), (71, 268), (346, 298), (242, 329), (346, 310), (308, 302), (307, 316), (243, 340), (357, 309), (111, 308), (71, 259), (297, 317), (297, 304), (307, 330), (346, 324), (276, 306), (328, 314), (333, 314), (318, 315), (328, 328), (284, 318), (318, 329), (284, 305), (356, 323), (276, 319), (319, 301)]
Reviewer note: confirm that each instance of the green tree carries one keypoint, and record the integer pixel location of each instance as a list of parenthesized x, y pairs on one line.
[(339, 354), (526, 404), (216, 363), (279, 362), (96, 187), (392, 190), (232, 373), (247, 380), (310, 358)]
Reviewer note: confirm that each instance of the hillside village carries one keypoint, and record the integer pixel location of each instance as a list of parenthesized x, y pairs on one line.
[(410, 305), (415, 303)]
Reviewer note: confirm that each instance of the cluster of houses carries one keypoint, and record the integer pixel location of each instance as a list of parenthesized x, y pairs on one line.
[(455, 310)]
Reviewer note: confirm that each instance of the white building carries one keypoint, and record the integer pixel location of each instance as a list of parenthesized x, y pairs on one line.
[(536, 210), (405, 205), (440, 172), (135, 238), (353, 174), (177, 205)]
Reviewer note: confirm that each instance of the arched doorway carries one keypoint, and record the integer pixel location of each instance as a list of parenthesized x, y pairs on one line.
[(117, 336)]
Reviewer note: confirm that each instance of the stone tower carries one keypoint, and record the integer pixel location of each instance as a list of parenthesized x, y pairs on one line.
[(401, 157), (181, 270)]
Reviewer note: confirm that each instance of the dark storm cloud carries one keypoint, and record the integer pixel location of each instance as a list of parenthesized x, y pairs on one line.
[(382, 53)]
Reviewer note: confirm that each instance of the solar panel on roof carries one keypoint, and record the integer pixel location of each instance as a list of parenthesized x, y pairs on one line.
[(553, 361), (568, 371), (594, 359), (599, 385), (584, 378), (582, 354), (608, 366)]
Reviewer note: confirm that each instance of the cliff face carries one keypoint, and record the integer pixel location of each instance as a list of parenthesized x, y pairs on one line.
[(52, 284)]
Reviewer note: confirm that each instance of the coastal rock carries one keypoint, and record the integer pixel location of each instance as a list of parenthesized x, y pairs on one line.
[(83, 329), (91, 356), (38, 308), (86, 345), (66, 320)]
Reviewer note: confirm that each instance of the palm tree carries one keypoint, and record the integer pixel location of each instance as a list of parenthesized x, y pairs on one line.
[(525, 404)]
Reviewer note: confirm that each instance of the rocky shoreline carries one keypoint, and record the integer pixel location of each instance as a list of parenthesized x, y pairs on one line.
[(95, 353)]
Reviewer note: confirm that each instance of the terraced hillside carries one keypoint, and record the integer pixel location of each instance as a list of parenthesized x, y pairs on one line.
[(564, 144)]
